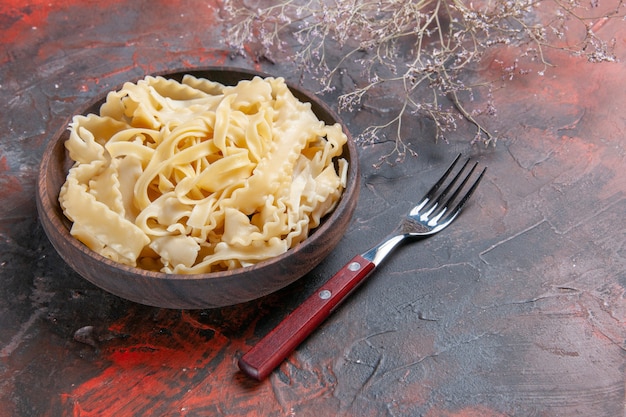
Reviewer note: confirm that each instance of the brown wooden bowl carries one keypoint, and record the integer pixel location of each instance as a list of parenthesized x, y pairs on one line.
[(198, 290)]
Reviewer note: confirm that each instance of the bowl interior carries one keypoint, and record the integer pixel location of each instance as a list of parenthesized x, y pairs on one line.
[(200, 290)]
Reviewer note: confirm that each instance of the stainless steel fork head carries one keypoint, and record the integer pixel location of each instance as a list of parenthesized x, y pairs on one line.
[(431, 214)]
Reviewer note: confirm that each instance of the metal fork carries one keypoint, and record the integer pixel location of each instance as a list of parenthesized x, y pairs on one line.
[(429, 216)]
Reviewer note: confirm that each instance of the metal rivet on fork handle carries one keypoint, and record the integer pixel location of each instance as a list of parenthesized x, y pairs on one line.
[(325, 294), (354, 266)]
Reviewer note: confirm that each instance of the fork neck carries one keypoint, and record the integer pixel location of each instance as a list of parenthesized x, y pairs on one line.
[(379, 252)]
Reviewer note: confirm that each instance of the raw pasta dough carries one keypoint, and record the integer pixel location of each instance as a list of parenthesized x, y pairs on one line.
[(196, 177)]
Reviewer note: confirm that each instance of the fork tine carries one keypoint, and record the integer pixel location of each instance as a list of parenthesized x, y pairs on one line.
[(432, 221), (457, 209), (460, 187), (431, 193), (445, 192)]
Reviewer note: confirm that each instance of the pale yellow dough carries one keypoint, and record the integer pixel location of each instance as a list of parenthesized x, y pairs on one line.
[(196, 177)]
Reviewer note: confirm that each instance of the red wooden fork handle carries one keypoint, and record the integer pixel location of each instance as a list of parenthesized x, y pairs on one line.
[(271, 350)]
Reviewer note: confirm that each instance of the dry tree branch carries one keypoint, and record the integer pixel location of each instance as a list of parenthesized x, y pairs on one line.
[(424, 47)]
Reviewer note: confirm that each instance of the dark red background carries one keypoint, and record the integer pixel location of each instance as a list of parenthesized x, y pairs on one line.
[(517, 310)]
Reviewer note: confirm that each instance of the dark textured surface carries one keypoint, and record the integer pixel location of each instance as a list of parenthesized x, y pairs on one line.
[(517, 310)]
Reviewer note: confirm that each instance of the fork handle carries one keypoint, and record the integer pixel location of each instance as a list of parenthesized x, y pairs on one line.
[(272, 349)]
